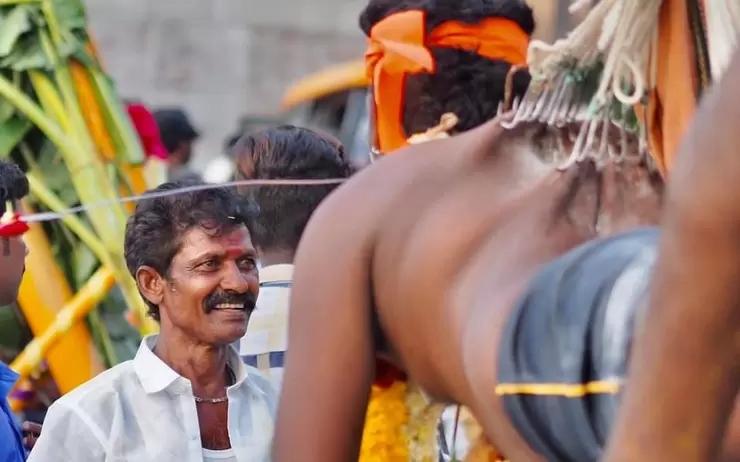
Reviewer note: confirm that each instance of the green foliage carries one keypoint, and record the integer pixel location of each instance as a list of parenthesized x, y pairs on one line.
[(21, 45), (42, 36)]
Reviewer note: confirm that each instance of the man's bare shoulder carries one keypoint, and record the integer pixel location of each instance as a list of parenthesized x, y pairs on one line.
[(369, 194)]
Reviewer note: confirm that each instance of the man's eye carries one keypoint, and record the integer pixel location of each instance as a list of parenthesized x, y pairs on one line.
[(209, 265), (247, 263)]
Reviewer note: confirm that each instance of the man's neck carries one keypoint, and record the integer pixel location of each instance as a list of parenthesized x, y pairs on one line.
[(204, 365), (272, 257)]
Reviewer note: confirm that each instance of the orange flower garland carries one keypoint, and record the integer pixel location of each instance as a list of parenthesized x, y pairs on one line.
[(384, 437)]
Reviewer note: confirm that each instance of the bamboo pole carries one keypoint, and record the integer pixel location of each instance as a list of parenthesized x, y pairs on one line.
[(84, 301)]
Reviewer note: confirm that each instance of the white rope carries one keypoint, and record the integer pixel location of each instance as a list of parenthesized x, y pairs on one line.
[(603, 64), (54, 216)]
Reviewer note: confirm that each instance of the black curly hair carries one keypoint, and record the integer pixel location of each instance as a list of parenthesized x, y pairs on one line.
[(13, 184), (465, 83)]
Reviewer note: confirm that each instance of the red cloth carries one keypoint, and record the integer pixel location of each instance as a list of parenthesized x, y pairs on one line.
[(14, 227), (148, 130), (399, 46)]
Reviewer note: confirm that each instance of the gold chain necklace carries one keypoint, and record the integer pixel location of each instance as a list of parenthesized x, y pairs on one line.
[(222, 399)]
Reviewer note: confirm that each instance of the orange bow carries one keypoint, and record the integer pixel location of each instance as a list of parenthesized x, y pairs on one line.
[(398, 46)]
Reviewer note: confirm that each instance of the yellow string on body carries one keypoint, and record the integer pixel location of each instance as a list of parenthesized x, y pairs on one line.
[(566, 390)]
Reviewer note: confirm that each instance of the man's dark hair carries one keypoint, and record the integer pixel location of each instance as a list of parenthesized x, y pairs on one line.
[(286, 152), (13, 184), (174, 127), (154, 232), (465, 83)]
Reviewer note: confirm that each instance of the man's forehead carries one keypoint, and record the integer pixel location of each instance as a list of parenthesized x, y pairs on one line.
[(197, 241)]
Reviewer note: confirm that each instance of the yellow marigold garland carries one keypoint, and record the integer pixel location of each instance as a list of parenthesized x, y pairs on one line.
[(384, 437), (401, 426)]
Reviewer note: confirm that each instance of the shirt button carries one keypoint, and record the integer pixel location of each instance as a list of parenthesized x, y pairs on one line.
[(193, 437)]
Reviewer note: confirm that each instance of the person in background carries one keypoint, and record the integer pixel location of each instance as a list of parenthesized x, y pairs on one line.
[(155, 168), (13, 187), (186, 395), (178, 135), (476, 51), (281, 215)]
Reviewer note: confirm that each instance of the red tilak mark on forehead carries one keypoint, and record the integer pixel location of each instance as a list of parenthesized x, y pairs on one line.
[(238, 251)]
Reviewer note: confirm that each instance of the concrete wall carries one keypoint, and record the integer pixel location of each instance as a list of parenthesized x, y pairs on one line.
[(220, 59)]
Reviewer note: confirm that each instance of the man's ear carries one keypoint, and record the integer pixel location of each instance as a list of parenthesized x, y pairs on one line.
[(151, 284)]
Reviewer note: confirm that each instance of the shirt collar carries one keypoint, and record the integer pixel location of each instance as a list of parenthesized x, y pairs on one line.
[(155, 375), (276, 273), (8, 377)]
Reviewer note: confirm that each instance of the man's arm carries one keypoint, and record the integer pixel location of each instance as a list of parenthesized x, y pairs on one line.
[(329, 365), (686, 362)]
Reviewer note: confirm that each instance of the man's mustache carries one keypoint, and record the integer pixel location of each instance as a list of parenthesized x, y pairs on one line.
[(246, 300)]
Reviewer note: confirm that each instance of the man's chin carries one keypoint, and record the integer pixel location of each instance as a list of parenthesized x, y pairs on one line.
[(232, 333)]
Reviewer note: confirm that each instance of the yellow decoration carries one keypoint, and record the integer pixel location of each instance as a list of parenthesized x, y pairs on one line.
[(384, 438), (401, 426), (43, 294), (85, 300)]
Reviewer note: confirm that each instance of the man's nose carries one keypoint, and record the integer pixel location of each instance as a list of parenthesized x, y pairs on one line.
[(235, 280)]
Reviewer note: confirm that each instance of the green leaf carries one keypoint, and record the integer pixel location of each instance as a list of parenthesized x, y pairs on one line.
[(6, 111), (70, 14), (12, 132), (27, 54), (84, 263), (55, 173), (70, 45), (6, 108), (12, 26)]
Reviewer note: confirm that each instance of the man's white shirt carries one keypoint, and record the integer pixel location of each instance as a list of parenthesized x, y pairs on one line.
[(142, 410)]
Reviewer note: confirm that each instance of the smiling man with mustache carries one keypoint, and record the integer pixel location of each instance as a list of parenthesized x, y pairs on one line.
[(187, 395)]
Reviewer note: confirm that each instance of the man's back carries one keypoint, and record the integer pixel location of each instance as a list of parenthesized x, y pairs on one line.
[(412, 217), (426, 235)]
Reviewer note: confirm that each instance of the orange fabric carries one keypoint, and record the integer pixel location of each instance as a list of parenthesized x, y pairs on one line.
[(673, 102), (398, 46)]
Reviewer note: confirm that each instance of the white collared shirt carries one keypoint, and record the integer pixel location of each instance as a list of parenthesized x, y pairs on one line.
[(266, 340), (143, 411)]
